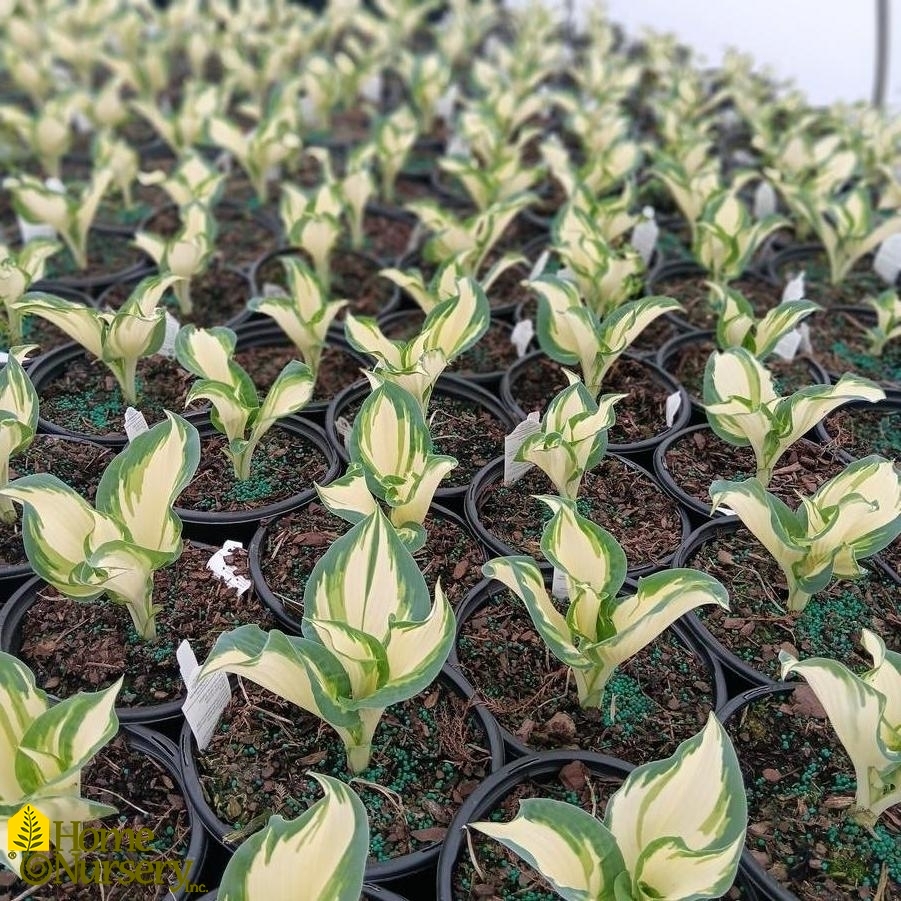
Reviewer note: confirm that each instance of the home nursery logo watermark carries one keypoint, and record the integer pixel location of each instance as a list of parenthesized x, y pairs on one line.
[(90, 855)]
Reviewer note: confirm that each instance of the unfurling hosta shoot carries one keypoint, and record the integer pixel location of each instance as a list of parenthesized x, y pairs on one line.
[(600, 630), (371, 638), (18, 419), (44, 746), (571, 333), (328, 843), (865, 712), (304, 313), (184, 128), (854, 515), (313, 223), (119, 338), (744, 410), (115, 547), (674, 830), (192, 181), (18, 271), (887, 307), (236, 409), (573, 436), (391, 458), (394, 138)]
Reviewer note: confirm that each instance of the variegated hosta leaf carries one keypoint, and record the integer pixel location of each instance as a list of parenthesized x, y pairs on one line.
[(208, 353), (865, 712), (572, 850), (290, 392), (348, 497), (455, 324), (18, 408), (309, 296), (364, 334), (329, 843), (81, 323), (778, 322), (680, 823), (228, 416)]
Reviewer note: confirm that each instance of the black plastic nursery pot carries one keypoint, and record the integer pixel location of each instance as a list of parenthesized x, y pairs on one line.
[(809, 847), (518, 647), (287, 611), (661, 383), (615, 520), (288, 435), (746, 639), (370, 893), (414, 868), (860, 428), (485, 418)]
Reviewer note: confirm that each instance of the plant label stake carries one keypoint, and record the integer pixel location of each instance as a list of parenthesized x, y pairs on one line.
[(558, 585), (167, 348), (787, 346), (673, 405), (887, 262), (135, 423), (206, 700), (513, 469), (764, 201), (226, 573), (644, 235), (521, 336), (794, 288)]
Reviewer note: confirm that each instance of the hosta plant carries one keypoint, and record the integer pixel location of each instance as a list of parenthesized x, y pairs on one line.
[(744, 409), (71, 215), (121, 160), (599, 630), (852, 516), (237, 411), (391, 459), (393, 139), (573, 436), (328, 842), (313, 222), (674, 830), (119, 338), (186, 254), (45, 746), (887, 307), (357, 187), (18, 419), (47, 133), (184, 128), (18, 271), (193, 180), (599, 173), (115, 547), (573, 334), (865, 712), (371, 638)]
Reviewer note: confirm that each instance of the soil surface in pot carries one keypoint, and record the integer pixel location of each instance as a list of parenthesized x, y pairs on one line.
[(460, 428), (695, 460), (264, 362), (623, 500), (296, 541), (240, 236), (656, 699), (74, 646), (840, 345), (354, 278), (861, 431), (108, 253), (78, 464), (145, 795), (217, 295), (639, 416), (859, 283), (693, 293), (386, 237), (283, 464), (758, 624), (85, 396), (800, 784), (503, 875), (428, 754)]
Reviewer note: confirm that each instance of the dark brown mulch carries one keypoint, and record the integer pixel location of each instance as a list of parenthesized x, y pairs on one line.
[(692, 292), (386, 237), (653, 701), (337, 368), (295, 542), (108, 252), (859, 283), (639, 416), (758, 624), (800, 785), (697, 459), (85, 397), (840, 346), (428, 754), (623, 500), (283, 465), (861, 431), (74, 646), (146, 796), (354, 277), (79, 464)]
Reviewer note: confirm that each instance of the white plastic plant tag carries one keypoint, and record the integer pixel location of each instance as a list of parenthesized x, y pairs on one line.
[(764, 200), (415, 238), (223, 163), (514, 470), (173, 326), (444, 108), (135, 423), (673, 405), (794, 288), (457, 146), (344, 428), (787, 346), (226, 573), (644, 235), (32, 231), (272, 290), (82, 123), (4, 357), (522, 334), (726, 511), (540, 265), (558, 585), (371, 88), (887, 262), (206, 699), (805, 346)]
